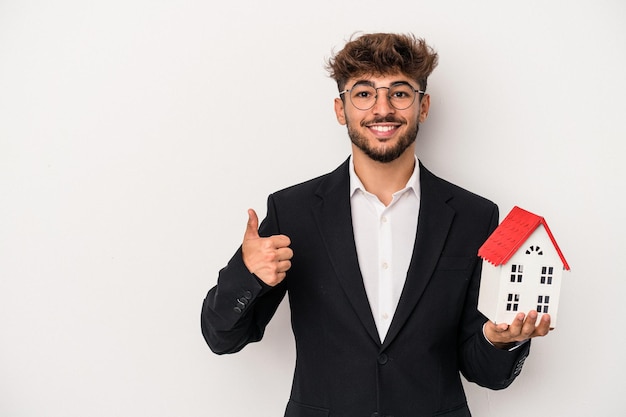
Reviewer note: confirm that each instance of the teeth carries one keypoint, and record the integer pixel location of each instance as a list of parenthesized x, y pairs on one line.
[(383, 128)]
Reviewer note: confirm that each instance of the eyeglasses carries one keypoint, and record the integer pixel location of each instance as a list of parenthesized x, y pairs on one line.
[(401, 95)]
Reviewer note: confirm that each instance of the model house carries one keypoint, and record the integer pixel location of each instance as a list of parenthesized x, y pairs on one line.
[(522, 269)]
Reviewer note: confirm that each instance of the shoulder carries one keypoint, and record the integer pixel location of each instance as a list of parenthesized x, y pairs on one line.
[(458, 197), (311, 189)]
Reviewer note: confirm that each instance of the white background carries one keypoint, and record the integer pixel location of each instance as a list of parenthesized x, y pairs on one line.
[(135, 134)]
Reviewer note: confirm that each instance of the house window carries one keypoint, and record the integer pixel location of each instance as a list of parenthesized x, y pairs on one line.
[(542, 303), (534, 249), (512, 302), (546, 275), (516, 273)]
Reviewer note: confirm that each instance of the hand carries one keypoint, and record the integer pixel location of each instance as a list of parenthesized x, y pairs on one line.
[(523, 327), (268, 258)]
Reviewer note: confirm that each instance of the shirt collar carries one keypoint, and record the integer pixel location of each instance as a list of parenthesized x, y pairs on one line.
[(412, 184)]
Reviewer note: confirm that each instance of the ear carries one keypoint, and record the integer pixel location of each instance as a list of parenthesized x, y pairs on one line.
[(340, 111), (424, 107)]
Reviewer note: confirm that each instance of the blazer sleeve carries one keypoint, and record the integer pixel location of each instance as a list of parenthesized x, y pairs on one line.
[(236, 311), (480, 361)]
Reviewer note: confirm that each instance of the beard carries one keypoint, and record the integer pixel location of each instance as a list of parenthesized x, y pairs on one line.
[(384, 154)]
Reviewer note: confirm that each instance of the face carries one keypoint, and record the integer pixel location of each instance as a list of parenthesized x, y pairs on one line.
[(382, 132)]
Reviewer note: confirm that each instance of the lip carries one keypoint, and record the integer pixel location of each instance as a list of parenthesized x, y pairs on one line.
[(383, 130)]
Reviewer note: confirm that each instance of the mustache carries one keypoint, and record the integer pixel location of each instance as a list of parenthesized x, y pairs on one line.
[(386, 119)]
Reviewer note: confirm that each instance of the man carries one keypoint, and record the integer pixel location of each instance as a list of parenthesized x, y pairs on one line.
[(383, 300)]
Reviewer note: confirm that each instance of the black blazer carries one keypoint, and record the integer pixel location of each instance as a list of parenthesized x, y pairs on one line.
[(342, 368)]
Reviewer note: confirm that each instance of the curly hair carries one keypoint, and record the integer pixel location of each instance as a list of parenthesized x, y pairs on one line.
[(381, 54)]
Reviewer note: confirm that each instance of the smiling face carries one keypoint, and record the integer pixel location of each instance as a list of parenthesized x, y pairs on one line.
[(382, 132)]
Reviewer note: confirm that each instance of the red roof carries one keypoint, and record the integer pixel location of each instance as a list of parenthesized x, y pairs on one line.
[(511, 234)]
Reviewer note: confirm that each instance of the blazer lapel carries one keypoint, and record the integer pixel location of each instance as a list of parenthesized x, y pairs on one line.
[(435, 218), (334, 219)]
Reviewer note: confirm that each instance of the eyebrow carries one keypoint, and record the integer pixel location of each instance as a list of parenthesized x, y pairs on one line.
[(371, 84)]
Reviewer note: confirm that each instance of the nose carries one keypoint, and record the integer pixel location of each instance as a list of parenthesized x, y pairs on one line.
[(382, 105)]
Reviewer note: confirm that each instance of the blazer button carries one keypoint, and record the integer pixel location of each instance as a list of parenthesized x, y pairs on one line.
[(247, 295), (237, 310), (375, 414), (382, 359)]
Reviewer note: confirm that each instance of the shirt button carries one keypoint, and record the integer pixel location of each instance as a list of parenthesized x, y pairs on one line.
[(385, 316), (385, 265), (383, 219)]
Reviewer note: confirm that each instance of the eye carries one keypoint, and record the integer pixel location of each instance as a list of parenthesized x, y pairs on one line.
[(400, 94), (362, 93)]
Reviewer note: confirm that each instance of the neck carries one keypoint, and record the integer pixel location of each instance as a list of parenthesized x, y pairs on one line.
[(384, 179)]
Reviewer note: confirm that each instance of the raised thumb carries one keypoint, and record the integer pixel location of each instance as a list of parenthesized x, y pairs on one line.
[(252, 228)]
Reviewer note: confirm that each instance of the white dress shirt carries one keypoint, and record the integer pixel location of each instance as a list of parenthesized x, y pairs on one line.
[(384, 238)]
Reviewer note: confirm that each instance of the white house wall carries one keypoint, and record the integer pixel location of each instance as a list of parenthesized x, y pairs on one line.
[(496, 282), (530, 287)]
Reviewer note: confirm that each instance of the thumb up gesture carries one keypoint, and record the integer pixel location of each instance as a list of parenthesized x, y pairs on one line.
[(268, 258)]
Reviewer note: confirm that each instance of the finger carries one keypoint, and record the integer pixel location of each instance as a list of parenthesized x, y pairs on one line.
[(283, 266), (515, 328), (284, 254), (529, 324), (497, 334), (280, 241), (497, 328), (502, 327), (543, 327), (252, 227)]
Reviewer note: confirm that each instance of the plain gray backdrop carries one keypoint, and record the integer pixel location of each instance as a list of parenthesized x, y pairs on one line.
[(135, 134)]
